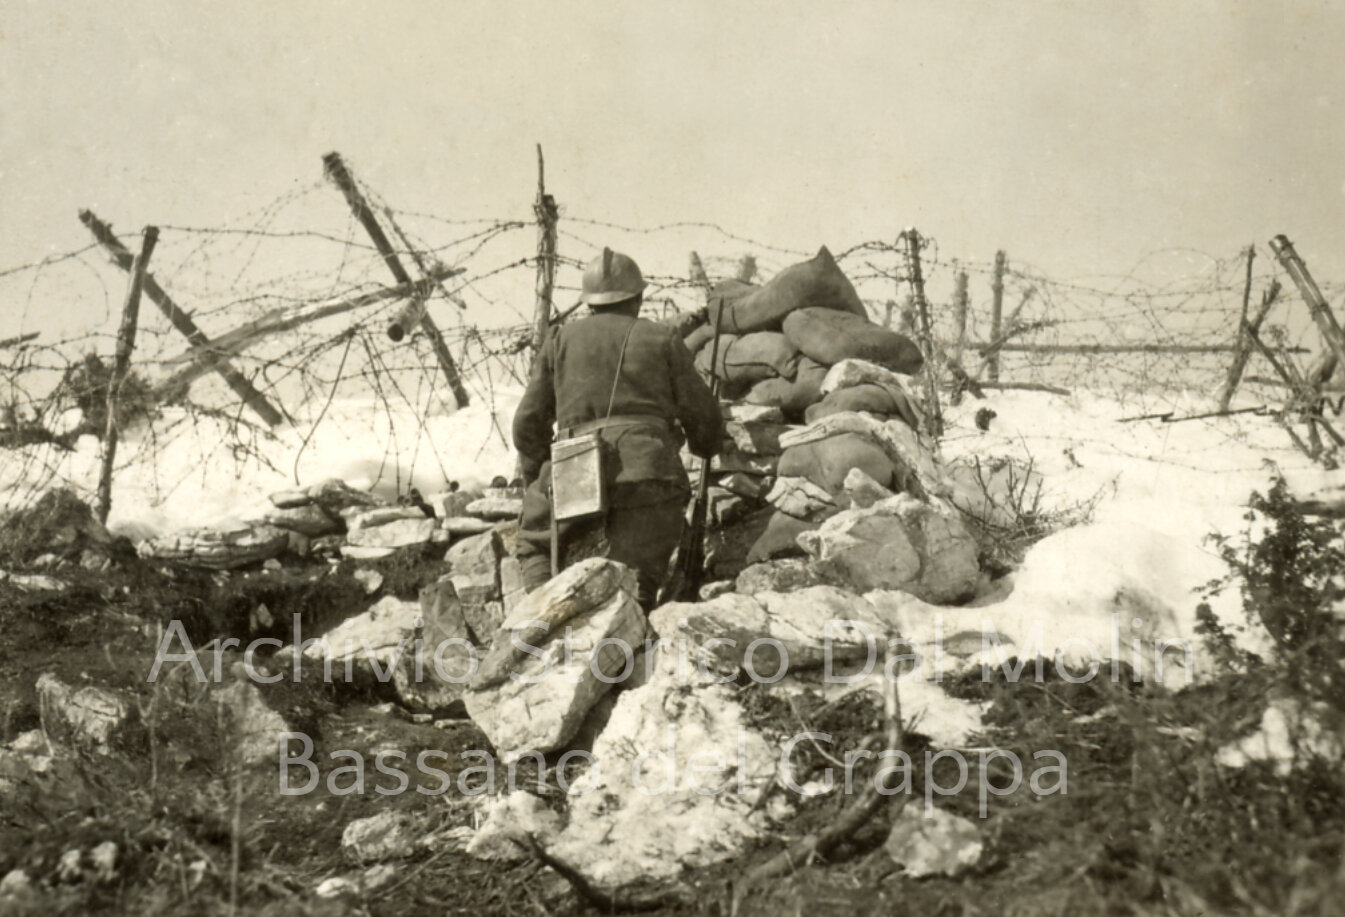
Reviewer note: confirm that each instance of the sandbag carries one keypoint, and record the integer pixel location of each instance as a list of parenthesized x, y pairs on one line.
[(817, 283), (874, 399), (780, 539), (750, 358), (792, 396), (826, 462), (829, 337)]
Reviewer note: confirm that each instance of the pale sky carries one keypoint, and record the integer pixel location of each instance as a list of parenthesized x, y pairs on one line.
[(1079, 136)]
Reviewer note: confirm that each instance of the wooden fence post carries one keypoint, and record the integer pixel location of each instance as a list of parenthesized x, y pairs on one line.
[(996, 313), (335, 170), (933, 415), (180, 320), (547, 214), (960, 305), (1307, 288), (130, 317), (1243, 346), (698, 275)]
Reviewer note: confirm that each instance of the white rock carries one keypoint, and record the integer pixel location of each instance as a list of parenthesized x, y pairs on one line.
[(290, 499), (496, 507), (371, 579), (466, 525), (508, 817), (800, 498), (755, 437), (309, 519), (396, 533), (335, 887), (677, 774), (89, 718), (376, 641), (863, 490), (219, 548), (901, 543), (754, 413), (358, 552), (385, 836), (787, 574), (931, 842), (543, 700), (811, 625), (104, 860), (474, 567), (14, 883)]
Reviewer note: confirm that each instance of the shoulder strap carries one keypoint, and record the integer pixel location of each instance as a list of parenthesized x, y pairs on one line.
[(620, 358)]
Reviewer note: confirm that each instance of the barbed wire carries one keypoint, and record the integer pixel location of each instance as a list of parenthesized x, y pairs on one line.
[(267, 266)]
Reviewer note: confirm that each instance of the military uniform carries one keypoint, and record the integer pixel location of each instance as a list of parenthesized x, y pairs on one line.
[(658, 402)]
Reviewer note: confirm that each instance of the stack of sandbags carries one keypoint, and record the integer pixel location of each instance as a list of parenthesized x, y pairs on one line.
[(779, 341)]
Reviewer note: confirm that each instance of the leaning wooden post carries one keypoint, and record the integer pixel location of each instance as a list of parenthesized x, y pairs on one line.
[(698, 275), (996, 313), (548, 215), (1307, 287), (180, 320), (130, 317), (336, 171), (1243, 347), (933, 416)]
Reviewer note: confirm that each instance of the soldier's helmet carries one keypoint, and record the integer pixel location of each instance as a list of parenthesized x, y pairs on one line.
[(611, 278)]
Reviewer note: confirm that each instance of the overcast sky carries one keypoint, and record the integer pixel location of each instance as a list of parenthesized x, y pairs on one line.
[(1077, 135)]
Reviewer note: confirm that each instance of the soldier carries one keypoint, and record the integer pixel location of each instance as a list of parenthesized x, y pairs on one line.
[(630, 381)]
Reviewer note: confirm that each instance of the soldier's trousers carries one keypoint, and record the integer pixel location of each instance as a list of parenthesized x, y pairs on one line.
[(641, 529)]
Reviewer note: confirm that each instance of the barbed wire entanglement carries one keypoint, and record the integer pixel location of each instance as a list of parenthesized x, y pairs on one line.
[(297, 301)]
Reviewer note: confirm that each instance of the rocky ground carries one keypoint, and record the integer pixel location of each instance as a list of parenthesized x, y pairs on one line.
[(140, 757)]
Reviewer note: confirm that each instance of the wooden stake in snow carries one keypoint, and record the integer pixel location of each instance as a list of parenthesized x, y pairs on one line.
[(933, 416), (180, 320), (996, 313), (130, 318), (547, 214), (1243, 347), (335, 170), (1307, 288)]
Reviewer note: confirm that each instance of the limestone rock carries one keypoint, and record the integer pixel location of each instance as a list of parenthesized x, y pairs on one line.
[(797, 630), (87, 718), (290, 499), (435, 670), (496, 507), (363, 552), (680, 771), (863, 490), (788, 574), (375, 642), (725, 507), (510, 816), (397, 533), (754, 413), (218, 549), (385, 836), (750, 486), (465, 525), (310, 520), (474, 566), (800, 498), (336, 496), (361, 517), (932, 842), (511, 585), (755, 437), (546, 694), (902, 543)]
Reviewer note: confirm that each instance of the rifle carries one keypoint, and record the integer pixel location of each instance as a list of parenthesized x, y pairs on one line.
[(685, 584)]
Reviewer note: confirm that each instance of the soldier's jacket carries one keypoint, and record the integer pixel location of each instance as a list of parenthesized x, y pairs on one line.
[(572, 382)]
